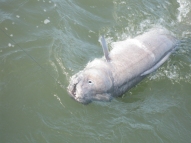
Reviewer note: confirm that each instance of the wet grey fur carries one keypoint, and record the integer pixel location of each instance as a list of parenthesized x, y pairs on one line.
[(126, 65)]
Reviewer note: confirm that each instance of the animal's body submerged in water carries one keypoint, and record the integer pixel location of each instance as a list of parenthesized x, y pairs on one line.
[(127, 64)]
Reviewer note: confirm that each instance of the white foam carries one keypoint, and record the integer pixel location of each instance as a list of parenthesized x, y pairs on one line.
[(9, 45), (17, 16), (46, 21), (58, 98), (184, 9)]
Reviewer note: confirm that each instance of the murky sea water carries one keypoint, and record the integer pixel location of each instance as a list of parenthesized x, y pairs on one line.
[(44, 42)]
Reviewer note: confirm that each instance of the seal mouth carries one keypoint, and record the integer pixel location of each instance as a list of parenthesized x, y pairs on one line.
[(74, 90)]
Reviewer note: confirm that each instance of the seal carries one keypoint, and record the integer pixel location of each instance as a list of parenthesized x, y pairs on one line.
[(123, 67)]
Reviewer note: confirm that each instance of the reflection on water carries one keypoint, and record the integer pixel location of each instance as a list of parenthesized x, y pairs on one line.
[(44, 42)]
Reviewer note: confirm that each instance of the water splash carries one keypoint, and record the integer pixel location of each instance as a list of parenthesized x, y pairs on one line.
[(184, 9), (176, 72)]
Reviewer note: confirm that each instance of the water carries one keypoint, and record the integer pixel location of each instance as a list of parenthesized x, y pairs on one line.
[(44, 42)]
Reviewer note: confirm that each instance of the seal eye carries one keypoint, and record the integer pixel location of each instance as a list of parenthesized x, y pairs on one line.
[(89, 81)]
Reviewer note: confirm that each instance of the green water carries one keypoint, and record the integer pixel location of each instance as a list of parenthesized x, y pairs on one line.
[(43, 43)]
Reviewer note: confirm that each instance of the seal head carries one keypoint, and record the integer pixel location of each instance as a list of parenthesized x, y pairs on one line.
[(91, 84)]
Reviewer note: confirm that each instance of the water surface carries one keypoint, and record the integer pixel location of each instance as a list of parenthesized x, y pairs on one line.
[(44, 42)]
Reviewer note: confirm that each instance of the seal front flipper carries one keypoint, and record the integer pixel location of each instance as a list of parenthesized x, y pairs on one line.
[(157, 64)]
